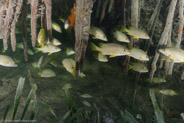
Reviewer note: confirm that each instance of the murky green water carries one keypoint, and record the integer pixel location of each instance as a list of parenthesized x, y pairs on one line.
[(110, 89)]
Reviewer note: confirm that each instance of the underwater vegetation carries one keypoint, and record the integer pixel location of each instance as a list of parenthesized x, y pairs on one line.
[(136, 42)]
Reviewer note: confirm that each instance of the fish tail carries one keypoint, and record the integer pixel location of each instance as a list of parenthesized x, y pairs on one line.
[(73, 72), (94, 47), (42, 45), (129, 67)]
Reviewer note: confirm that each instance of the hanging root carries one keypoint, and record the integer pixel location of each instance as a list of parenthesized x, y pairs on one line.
[(10, 11), (2, 15), (163, 36), (154, 16), (7, 23), (13, 25), (98, 9), (34, 10), (78, 34), (110, 5), (180, 33), (167, 42), (134, 23), (43, 17), (48, 5), (24, 28), (82, 27), (152, 23), (135, 13), (104, 6)]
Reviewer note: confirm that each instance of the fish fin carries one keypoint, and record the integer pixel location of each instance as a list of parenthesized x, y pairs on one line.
[(124, 29), (135, 37), (129, 67), (172, 57), (94, 37), (94, 47), (128, 33), (101, 44), (30, 52), (36, 50), (42, 45), (39, 43), (81, 74), (112, 56), (102, 53), (73, 72)]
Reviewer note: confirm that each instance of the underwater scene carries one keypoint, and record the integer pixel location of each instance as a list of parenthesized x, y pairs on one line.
[(91, 61)]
